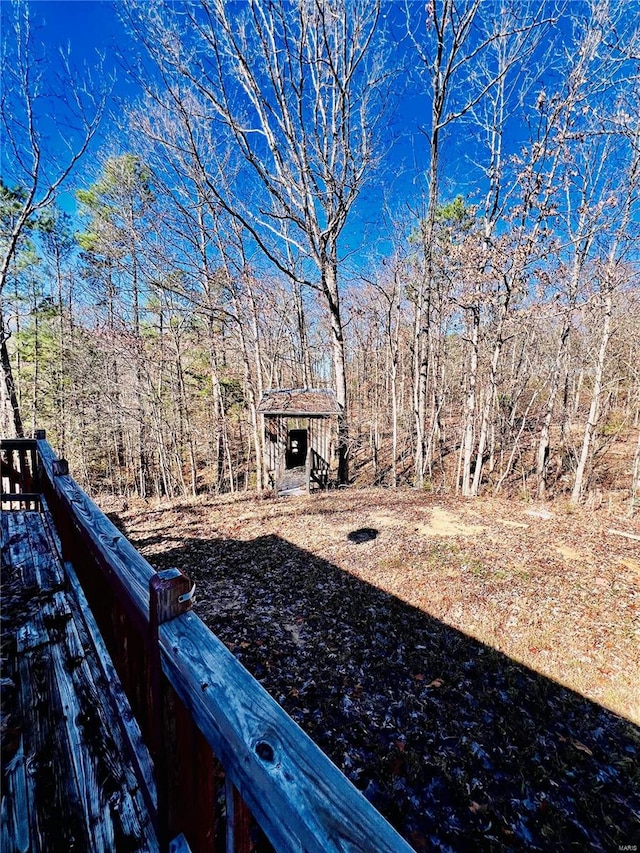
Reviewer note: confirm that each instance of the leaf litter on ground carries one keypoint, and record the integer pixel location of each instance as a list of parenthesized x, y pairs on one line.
[(466, 667)]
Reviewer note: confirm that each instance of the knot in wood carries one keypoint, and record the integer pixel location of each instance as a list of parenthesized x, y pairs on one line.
[(265, 751)]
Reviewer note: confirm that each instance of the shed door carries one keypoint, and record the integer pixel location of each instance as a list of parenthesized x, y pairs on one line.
[(297, 442)]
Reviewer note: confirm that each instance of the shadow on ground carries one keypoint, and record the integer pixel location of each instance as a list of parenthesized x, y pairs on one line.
[(460, 747)]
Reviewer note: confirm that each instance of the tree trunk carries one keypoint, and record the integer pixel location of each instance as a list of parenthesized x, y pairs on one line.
[(305, 352), (257, 426), (60, 391), (9, 382), (594, 408), (635, 480), (490, 397), (420, 376), (470, 412), (542, 455), (329, 277), (35, 390), (394, 336), (221, 438), (189, 431)]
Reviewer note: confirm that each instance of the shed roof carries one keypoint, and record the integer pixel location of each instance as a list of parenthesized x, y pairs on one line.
[(299, 402)]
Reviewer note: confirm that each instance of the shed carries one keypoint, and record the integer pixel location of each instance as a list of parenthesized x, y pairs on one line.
[(299, 424)]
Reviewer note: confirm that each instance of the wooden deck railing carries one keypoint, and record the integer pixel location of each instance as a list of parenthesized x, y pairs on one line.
[(18, 473), (233, 771)]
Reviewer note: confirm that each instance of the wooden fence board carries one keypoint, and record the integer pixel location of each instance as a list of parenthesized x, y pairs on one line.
[(298, 796), (48, 574), (75, 695), (105, 675), (238, 821), (300, 799), (32, 499), (128, 569), (16, 549), (179, 845), (94, 742)]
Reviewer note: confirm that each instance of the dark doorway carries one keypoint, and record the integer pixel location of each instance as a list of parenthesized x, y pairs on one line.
[(297, 440)]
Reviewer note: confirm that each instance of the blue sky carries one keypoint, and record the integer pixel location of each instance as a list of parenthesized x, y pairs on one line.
[(94, 35), (90, 29), (86, 24)]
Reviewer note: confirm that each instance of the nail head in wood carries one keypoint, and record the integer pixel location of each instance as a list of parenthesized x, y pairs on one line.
[(170, 595), (60, 467)]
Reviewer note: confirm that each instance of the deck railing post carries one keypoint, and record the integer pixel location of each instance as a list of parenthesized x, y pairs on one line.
[(60, 468), (200, 711), (238, 838), (170, 595), (38, 435)]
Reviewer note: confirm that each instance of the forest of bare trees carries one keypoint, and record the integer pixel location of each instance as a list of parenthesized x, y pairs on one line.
[(481, 335)]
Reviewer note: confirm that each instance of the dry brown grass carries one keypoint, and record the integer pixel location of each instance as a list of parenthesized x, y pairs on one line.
[(424, 643), (547, 586)]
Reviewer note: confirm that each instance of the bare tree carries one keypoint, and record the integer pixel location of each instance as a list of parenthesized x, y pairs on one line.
[(33, 162), (610, 273), (442, 54), (450, 49), (119, 215), (513, 36), (568, 162), (297, 90)]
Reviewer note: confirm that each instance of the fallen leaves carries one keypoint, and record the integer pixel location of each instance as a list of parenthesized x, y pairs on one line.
[(582, 747), (368, 649)]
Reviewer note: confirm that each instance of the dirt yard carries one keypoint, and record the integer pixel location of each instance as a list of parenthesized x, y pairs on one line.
[(473, 667)]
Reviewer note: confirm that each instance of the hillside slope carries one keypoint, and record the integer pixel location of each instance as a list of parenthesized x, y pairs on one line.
[(440, 651)]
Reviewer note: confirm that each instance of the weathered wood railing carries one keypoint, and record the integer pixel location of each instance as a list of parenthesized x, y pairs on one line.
[(318, 468), (18, 472), (215, 734)]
